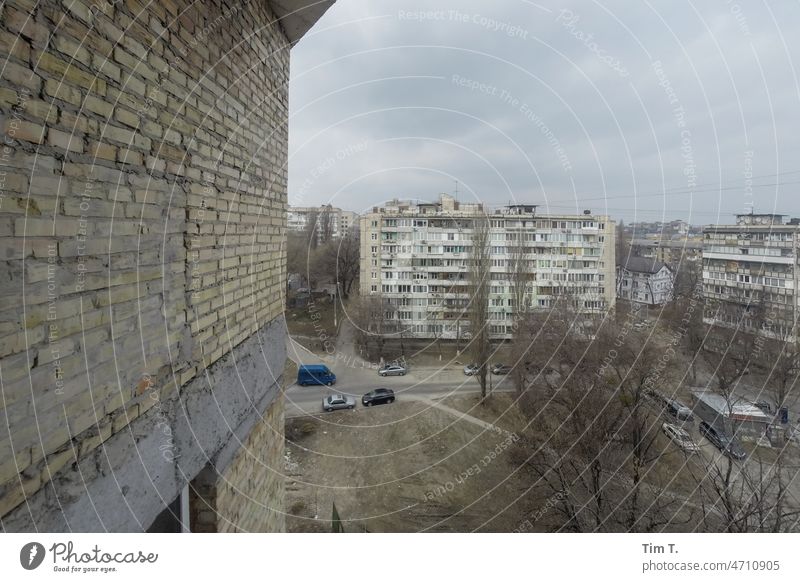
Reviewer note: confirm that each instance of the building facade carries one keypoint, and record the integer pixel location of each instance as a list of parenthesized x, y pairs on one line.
[(672, 252), (330, 222), (645, 281), (750, 275), (415, 258), (143, 213)]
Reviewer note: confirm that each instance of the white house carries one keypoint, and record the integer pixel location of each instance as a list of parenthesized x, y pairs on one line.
[(646, 281)]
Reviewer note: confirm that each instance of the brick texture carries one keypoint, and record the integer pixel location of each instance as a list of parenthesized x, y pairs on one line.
[(248, 495), (142, 209)]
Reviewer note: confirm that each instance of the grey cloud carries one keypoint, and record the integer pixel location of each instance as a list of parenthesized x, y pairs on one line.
[(586, 92)]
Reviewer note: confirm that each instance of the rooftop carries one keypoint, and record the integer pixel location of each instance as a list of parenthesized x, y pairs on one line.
[(643, 265), (739, 408)]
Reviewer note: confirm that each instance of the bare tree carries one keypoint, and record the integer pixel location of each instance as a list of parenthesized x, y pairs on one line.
[(312, 239), (520, 274), (325, 224), (374, 319), (478, 285), (634, 371), (688, 275), (622, 249), (310, 261), (777, 356), (296, 253), (342, 262), (601, 443), (728, 353)]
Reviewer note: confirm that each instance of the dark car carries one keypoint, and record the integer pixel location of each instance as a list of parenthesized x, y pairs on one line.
[(500, 369), (765, 406), (378, 396), (725, 443), (679, 411)]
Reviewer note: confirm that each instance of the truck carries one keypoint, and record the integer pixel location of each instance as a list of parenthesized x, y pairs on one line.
[(315, 375)]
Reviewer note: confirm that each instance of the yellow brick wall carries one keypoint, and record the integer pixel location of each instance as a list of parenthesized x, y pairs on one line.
[(142, 208), (250, 492)]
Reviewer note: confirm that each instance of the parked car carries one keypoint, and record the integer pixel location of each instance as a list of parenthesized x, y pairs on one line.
[(319, 374), (337, 402), (765, 406), (679, 411), (378, 396), (471, 369), (500, 369), (794, 434), (392, 370), (680, 437), (724, 442)]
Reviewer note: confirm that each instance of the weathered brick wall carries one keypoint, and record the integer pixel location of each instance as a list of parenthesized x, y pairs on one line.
[(248, 495), (142, 204)]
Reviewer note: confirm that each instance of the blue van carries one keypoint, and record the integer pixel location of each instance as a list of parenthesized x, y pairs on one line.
[(315, 374)]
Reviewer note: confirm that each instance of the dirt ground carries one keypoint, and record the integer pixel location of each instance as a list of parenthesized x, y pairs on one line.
[(424, 465), (406, 467), (312, 325)]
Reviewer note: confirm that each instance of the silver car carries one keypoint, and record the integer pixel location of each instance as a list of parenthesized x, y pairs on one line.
[(337, 402), (392, 370), (680, 437)]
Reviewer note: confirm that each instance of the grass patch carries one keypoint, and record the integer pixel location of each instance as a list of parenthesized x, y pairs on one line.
[(312, 325)]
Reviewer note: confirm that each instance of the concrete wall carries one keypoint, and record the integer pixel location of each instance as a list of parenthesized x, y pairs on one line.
[(247, 495), (142, 213)]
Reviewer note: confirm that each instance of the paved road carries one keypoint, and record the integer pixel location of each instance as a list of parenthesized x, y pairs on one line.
[(355, 377)]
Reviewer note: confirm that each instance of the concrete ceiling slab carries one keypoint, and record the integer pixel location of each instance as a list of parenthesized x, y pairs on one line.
[(298, 16)]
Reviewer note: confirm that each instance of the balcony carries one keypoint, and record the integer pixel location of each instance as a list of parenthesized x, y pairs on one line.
[(738, 257)]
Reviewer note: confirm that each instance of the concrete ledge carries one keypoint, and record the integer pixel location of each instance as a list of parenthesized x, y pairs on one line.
[(298, 16), (128, 481)]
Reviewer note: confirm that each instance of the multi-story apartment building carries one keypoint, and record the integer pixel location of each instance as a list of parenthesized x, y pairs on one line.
[(750, 274), (331, 222), (415, 257), (645, 281), (670, 251)]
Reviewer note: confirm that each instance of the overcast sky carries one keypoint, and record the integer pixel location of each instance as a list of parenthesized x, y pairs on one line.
[(603, 106)]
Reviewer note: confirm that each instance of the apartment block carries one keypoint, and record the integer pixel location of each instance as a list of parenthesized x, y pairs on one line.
[(330, 222), (750, 274), (673, 252), (415, 258)]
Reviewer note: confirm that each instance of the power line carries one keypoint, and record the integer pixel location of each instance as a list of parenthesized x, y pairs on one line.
[(686, 191)]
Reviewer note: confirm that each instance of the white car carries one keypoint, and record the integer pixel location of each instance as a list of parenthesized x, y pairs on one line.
[(680, 437), (470, 369), (337, 402)]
